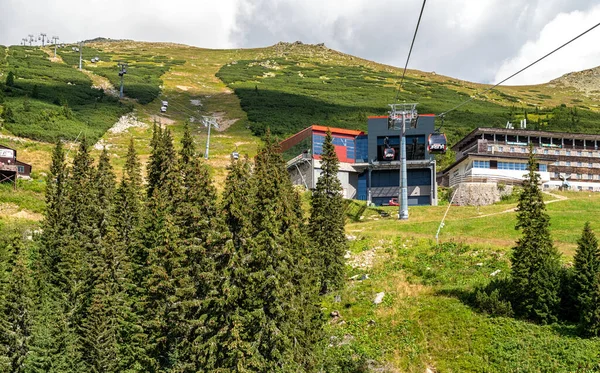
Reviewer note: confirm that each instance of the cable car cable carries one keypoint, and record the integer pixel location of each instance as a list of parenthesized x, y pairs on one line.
[(410, 50), (518, 72)]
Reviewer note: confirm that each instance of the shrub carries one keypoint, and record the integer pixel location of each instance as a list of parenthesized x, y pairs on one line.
[(492, 303)]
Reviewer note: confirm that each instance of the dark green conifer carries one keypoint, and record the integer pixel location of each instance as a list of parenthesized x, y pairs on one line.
[(535, 260), (16, 308), (586, 281), (55, 221), (327, 222), (10, 79)]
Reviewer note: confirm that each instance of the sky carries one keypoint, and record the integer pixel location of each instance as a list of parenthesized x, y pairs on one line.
[(477, 40)]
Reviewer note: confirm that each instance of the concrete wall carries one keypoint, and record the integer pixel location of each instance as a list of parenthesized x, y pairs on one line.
[(479, 194), (302, 174)]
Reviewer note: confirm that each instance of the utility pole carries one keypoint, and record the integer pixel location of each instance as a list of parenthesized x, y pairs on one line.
[(80, 53), (122, 72), (55, 41), (402, 113), (31, 39), (43, 37), (23, 41), (209, 122)]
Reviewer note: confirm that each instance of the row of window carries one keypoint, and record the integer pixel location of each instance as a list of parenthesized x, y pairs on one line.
[(579, 176), (577, 164), (579, 153), (579, 187), (513, 166)]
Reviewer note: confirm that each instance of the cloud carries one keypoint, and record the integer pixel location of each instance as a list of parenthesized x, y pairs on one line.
[(461, 38), (466, 39), (201, 23), (579, 55)]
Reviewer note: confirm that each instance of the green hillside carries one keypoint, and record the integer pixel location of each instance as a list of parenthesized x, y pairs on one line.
[(50, 100)]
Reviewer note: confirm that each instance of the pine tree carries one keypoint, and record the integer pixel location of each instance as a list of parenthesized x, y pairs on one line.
[(278, 269), (55, 223), (104, 181), (535, 261), (327, 221), (218, 344), (586, 280), (10, 79), (162, 321), (16, 310)]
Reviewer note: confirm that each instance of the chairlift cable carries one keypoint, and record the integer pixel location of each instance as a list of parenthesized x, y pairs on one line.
[(518, 72), (410, 50)]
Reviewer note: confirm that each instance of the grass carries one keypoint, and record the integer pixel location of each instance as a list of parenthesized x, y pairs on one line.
[(423, 322)]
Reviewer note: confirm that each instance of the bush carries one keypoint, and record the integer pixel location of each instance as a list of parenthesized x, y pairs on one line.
[(492, 303)]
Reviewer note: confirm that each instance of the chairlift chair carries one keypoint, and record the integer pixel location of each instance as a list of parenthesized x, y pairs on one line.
[(165, 103), (163, 109), (389, 154), (437, 143)]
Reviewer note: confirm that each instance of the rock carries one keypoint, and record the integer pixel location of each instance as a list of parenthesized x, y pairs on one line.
[(371, 322), (495, 273), (348, 255), (479, 264), (350, 237), (364, 277), (354, 277), (379, 298), (334, 314)]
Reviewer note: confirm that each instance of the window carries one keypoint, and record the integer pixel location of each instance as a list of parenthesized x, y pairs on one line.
[(545, 151), (512, 150), (523, 150), (579, 153), (556, 175), (557, 152), (512, 166), (568, 152), (579, 176), (590, 165), (489, 148), (21, 169), (590, 154), (543, 168), (590, 177), (580, 188), (590, 189), (578, 164), (481, 164), (500, 148), (568, 164)]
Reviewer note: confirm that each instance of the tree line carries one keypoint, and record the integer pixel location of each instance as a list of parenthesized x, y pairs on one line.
[(163, 275), (539, 287)]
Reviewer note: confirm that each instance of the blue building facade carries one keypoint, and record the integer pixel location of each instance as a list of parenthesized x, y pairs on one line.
[(366, 171)]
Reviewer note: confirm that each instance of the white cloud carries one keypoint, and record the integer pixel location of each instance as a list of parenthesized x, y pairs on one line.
[(466, 39), (581, 54)]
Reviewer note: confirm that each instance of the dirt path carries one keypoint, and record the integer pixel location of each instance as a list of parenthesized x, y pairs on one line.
[(102, 83), (50, 53), (558, 199)]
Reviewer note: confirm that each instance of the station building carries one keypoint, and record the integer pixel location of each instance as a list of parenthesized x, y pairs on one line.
[(367, 172), (499, 155)]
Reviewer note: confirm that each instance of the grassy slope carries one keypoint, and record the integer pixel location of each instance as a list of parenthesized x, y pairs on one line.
[(423, 321)]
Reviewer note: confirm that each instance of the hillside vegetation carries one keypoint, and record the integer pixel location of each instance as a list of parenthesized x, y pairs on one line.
[(48, 101)]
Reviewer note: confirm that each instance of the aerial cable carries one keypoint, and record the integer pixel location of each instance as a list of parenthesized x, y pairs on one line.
[(410, 50), (518, 72)]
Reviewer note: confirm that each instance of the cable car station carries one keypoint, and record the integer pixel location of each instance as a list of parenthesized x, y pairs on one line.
[(370, 163)]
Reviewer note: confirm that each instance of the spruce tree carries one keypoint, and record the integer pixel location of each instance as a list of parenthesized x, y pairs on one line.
[(16, 310), (586, 281), (535, 261), (327, 221), (55, 220), (219, 339)]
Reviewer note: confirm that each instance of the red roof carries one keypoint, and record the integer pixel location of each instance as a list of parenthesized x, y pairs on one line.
[(341, 131)]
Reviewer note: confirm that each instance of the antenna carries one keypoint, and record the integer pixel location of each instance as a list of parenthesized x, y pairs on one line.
[(209, 122), (122, 72)]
